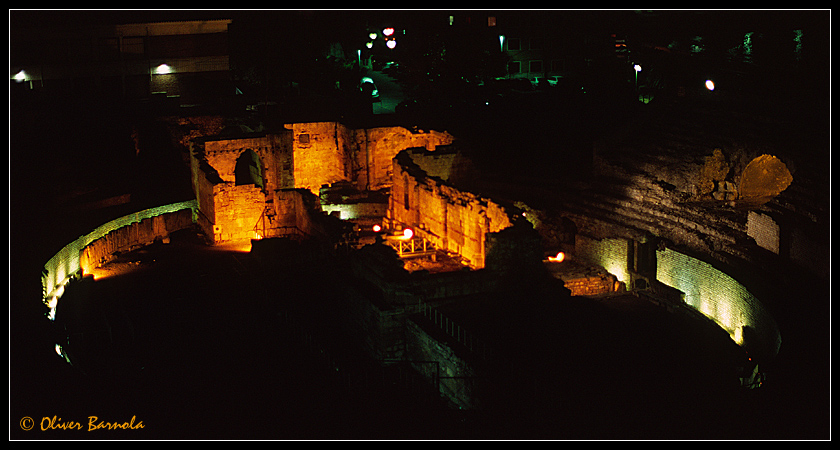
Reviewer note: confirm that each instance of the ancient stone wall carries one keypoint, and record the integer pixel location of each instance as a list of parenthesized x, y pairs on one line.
[(764, 230), (721, 298), (238, 212), (67, 262), (453, 220), (611, 254), (132, 236), (379, 146), (322, 154)]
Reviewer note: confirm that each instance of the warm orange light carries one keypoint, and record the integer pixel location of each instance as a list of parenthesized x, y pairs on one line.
[(408, 233), (377, 228), (559, 258)]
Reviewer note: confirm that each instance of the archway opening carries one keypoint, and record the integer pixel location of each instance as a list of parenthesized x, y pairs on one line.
[(248, 169)]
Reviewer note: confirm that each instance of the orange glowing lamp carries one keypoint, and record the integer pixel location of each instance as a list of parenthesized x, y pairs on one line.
[(377, 228), (408, 233), (559, 258)]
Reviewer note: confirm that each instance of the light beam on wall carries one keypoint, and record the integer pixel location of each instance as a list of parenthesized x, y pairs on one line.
[(163, 69)]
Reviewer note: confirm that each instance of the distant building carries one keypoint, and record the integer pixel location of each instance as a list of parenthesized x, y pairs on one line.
[(186, 61)]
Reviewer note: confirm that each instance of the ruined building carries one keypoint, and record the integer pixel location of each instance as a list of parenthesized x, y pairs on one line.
[(256, 185)]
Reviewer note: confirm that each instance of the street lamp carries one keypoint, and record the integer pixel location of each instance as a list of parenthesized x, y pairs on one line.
[(637, 68), (710, 85)]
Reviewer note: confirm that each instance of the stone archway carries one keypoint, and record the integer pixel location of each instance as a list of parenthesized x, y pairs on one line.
[(249, 169)]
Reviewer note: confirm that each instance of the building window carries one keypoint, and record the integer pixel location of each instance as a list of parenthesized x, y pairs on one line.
[(535, 66), (303, 138), (491, 21), (514, 67), (514, 44)]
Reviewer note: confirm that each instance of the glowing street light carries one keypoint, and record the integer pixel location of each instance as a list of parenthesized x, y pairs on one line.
[(391, 43), (388, 31), (163, 69), (710, 85), (636, 69), (20, 76)]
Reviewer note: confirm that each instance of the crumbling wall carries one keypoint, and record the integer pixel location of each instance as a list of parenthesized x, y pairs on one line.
[(238, 212), (222, 155), (453, 220), (379, 147), (764, 230), (322, 154)]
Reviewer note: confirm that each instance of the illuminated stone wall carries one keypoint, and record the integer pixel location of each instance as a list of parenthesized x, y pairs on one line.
[(322, 154), (67, 262), (272, 150), (238, 212), (382, 144), (453, 220), (611, 254), (719, 297), (595, 285), (306, 156), (132, 236)]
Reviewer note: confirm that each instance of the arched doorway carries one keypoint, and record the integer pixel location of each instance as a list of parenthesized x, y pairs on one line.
[(248, 169)]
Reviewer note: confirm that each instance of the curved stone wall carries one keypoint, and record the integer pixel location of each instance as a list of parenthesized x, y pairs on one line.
[(67, 262), (721, 298)]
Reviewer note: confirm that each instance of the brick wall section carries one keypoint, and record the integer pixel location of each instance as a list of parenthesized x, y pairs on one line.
[(719, 297), (611, 254), (764, 230), (590, 285), (451, 219)]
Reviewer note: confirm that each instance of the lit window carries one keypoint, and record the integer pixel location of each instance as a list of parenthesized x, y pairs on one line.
[(491, 21)]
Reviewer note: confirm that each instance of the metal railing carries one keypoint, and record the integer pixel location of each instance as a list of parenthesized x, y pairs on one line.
[(454, 330)]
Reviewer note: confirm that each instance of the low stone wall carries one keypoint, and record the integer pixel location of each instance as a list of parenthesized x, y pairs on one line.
[(130, 237), (67, 262)]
